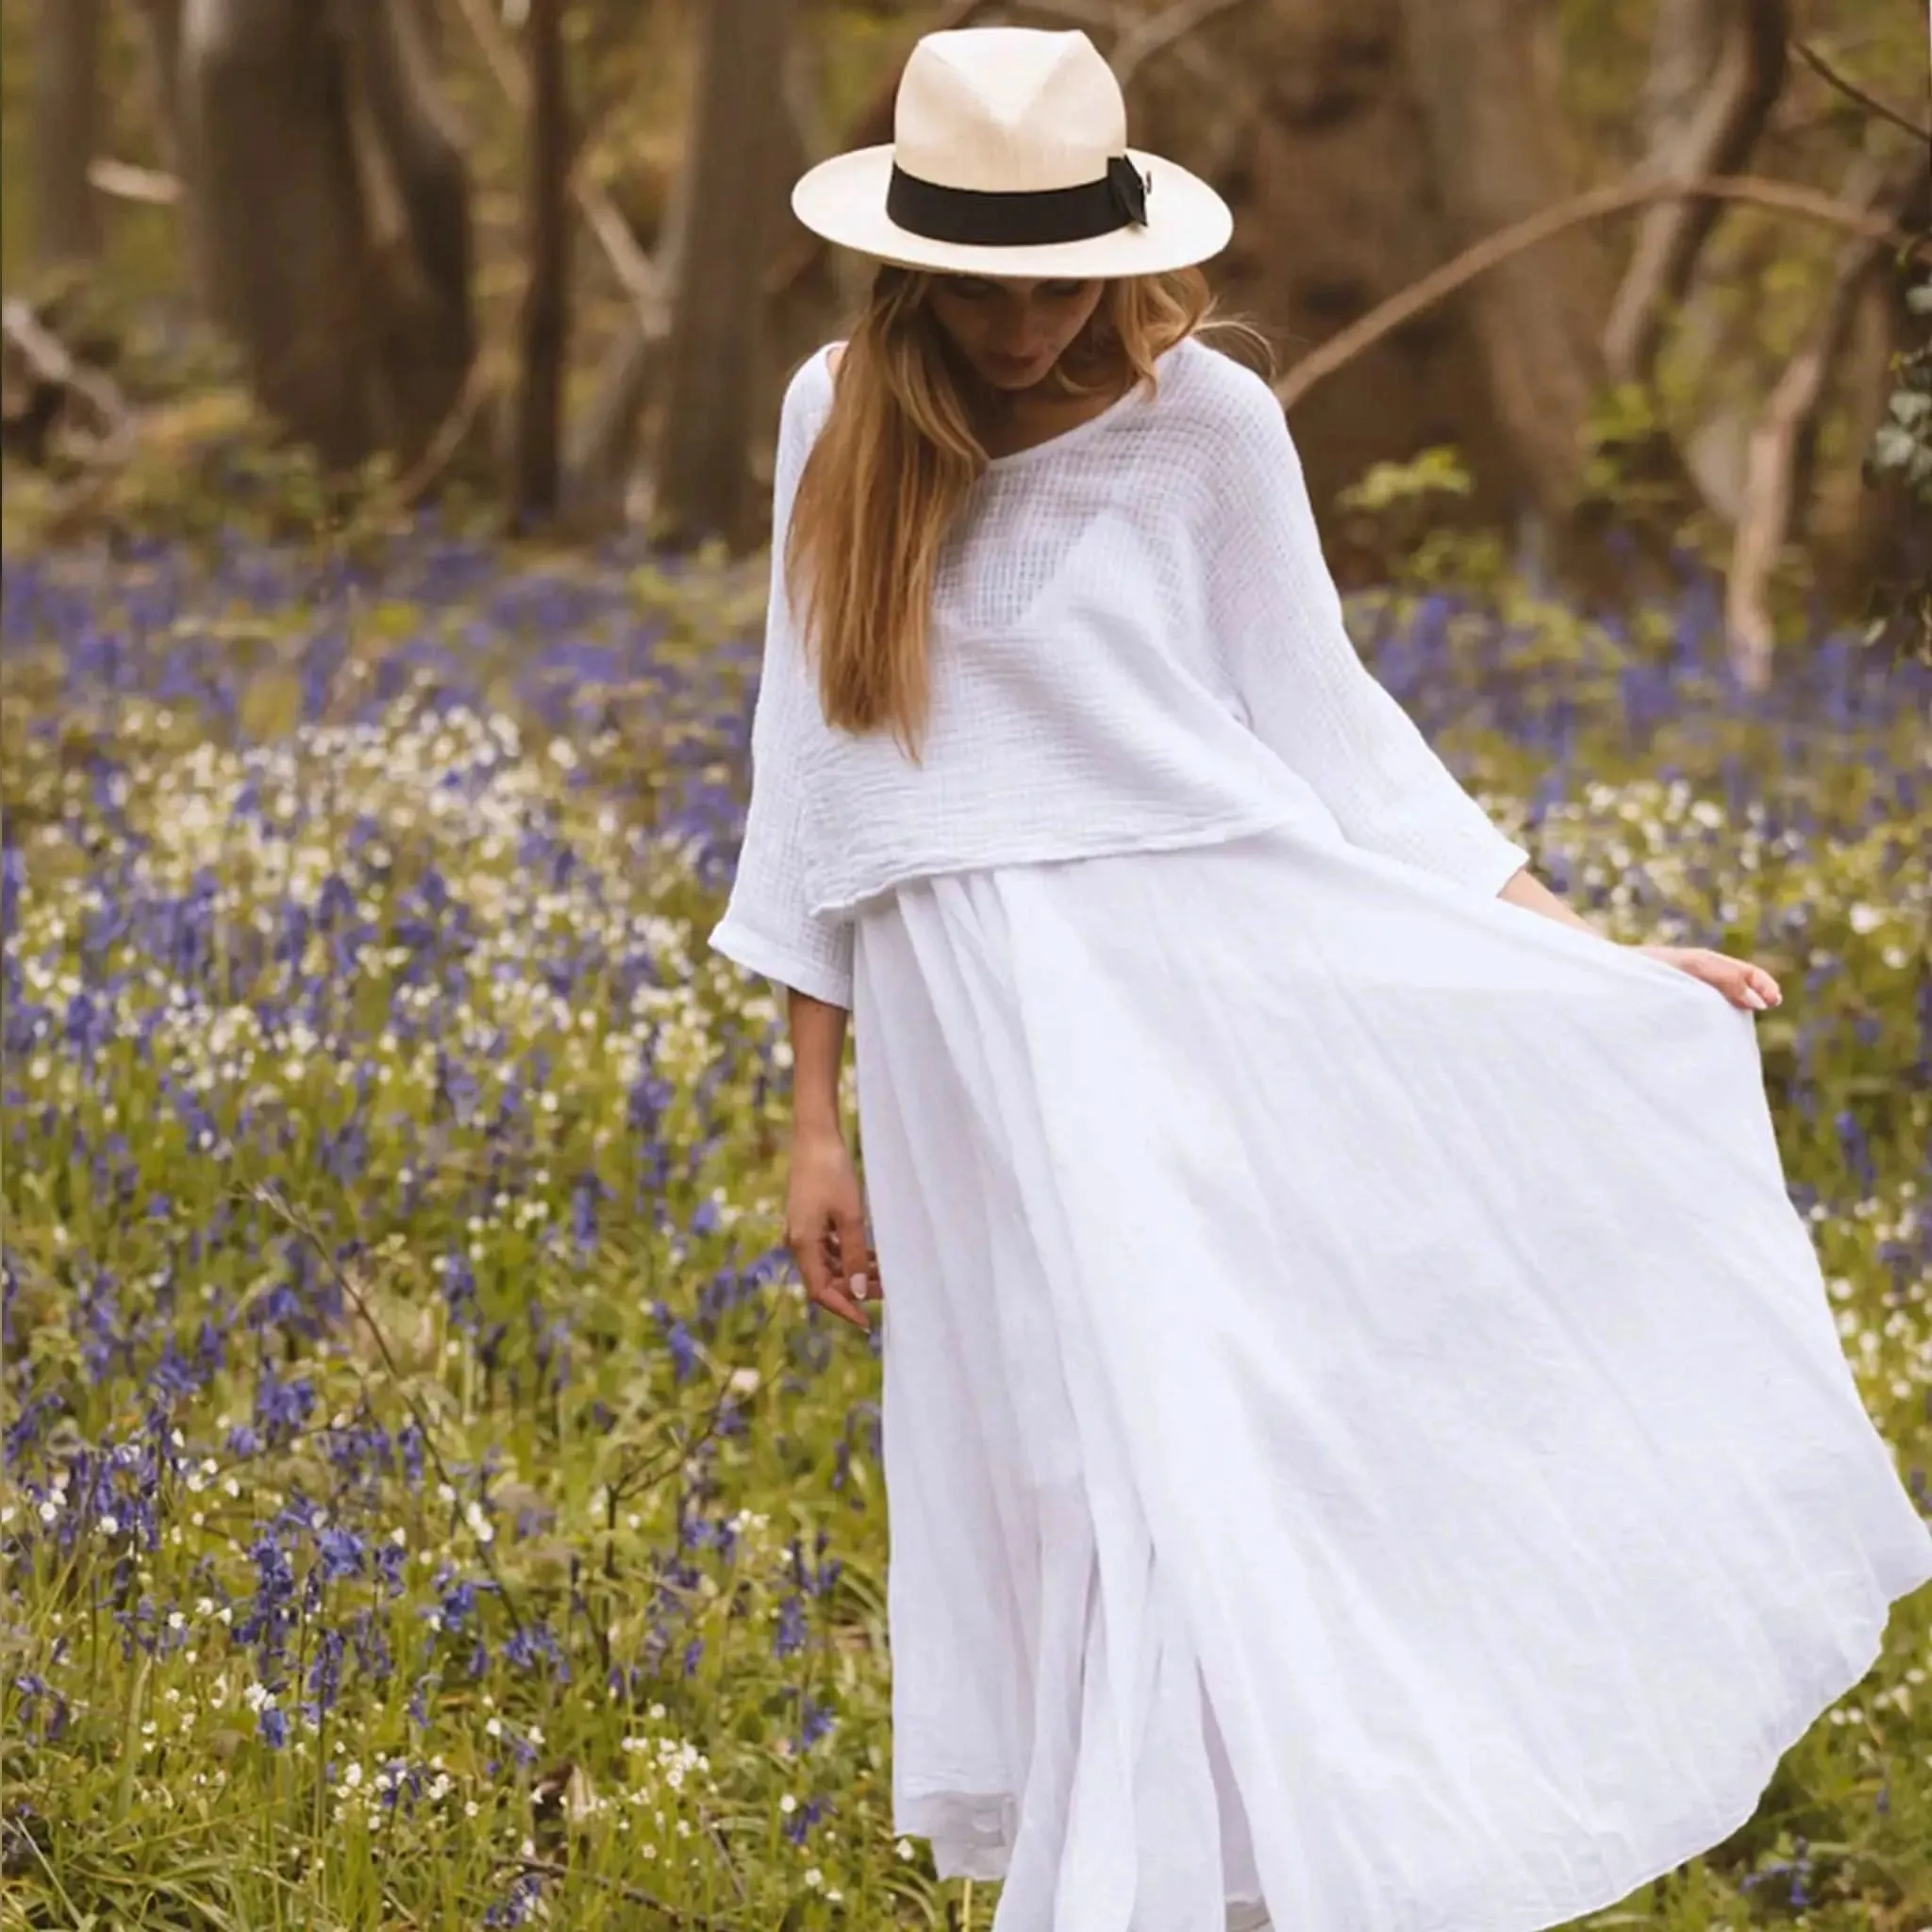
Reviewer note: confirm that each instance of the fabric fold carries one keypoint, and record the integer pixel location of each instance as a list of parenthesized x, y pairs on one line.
[(1364, 1428)]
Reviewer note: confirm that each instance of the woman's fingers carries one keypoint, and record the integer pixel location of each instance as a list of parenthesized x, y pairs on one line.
[(824, 1284), (853, 1256), (867, 1286), (824, 1203), (817, 1269), (1746, 984), (826, 1281), (838, 1302), (807, 1252), (1741, 982)]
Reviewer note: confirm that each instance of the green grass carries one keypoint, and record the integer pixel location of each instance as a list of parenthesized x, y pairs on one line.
[(423, 1475)]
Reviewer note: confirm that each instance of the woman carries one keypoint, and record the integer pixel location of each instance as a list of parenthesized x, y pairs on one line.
[(1365, 1436)]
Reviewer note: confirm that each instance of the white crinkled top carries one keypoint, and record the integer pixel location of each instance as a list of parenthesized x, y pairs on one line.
[(1136, 644)]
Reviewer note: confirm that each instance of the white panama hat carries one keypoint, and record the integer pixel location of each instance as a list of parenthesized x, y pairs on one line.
[(1009, 157)]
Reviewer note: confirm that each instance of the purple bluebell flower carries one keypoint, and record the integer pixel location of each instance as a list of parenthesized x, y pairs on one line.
[(792, 1627), (518, 1903)]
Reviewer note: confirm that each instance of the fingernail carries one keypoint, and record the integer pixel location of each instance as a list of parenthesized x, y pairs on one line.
[(1754, 997), (857, 1285)]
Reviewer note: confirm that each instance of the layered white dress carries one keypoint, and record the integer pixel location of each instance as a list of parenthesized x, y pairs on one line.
[(1365, 1438)]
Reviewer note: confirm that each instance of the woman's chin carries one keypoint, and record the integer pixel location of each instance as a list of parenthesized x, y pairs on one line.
[(1014, 375)]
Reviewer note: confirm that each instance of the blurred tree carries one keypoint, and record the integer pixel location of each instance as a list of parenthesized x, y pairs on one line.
[(162, 21), (606, 441), (735, 158), (1868, 526), (1304, 114), (1783, 440), (1717, 68), (545, 332), (67, 60), (1357, 166), (1537, 318), (331, 214)]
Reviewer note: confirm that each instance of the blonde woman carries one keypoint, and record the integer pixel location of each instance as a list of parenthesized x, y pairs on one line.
[(1365, 1438)]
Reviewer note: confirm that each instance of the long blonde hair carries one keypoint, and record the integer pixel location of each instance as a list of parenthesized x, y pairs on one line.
[(895, 460)]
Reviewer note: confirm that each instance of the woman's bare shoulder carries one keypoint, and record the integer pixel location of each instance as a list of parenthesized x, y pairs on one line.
[(832, 356)]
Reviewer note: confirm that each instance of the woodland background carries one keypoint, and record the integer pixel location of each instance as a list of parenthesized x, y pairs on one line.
[(540, 250), (427, 1499)]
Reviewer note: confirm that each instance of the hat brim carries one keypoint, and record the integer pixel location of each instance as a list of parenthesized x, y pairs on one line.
[(844, 200)]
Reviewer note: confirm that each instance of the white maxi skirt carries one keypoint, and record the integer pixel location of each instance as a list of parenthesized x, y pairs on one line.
[(1364, 1431)]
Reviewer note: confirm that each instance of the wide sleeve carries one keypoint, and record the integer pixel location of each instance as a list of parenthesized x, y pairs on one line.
[(766, 926), (1277, 621)]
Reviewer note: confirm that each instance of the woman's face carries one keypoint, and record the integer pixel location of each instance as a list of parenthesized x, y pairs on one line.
[(1012, 332)]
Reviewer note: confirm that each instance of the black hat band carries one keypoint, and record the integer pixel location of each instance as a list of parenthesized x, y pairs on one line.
[(986, 218)]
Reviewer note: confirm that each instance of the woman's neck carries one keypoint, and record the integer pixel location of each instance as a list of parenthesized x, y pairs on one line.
[(1008, 421)]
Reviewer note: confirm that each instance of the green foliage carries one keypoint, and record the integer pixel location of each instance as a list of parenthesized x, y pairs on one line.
[(1397, 515), (1412, 486), (1903, 444), (1900, 450), (1633, 477)]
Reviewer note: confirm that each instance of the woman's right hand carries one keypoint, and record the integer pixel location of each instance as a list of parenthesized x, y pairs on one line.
[(824, 1223)]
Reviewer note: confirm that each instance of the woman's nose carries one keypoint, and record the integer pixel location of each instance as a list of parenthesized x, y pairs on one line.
[(1015, 323)]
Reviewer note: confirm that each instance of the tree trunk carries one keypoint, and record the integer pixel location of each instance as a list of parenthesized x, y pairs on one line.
[(67, 64), (712, 355), (1717, 69), (604, 456), (162, 19), (423, 332), (286, 261), (330, 215), (1862, 534), (1776, 480), (545, 316), (161, 24), (1317, 143), (1536, 319)]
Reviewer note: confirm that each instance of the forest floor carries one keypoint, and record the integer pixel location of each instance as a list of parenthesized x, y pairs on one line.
[(428, 1500)]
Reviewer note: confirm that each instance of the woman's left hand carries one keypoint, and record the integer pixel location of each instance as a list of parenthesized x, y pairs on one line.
[(1741, 983)]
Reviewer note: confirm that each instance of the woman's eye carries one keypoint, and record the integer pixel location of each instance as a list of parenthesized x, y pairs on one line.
[(1064, 291)]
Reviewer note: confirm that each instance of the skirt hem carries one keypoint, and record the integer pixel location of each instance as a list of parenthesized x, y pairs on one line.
[(953, 1858)]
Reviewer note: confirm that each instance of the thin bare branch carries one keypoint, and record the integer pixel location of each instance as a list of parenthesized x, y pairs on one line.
[(1871, 103), (1597, 205), (1109, 16), (1147, 36), (871, 127), (46, 359), (47, 363), (633, 268), (1715, 137), (409, 489)]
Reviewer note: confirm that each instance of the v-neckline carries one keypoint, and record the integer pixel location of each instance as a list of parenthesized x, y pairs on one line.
[(1075, 433)]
